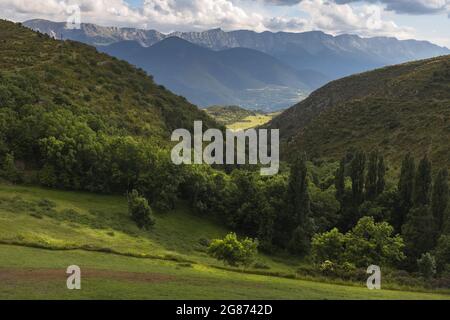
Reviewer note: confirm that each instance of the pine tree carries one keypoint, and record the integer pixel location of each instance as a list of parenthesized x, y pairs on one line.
[(422, 184), (372, 176), (440, 198), (381, 180), (357, 168), (339, 182), (405, 190)]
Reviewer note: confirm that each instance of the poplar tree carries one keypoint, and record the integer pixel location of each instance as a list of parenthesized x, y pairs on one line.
[(422, 184), (439, 202), (357, 168), (339, 182), (405, 190), (300, 207), (372, 176), (381, 180)]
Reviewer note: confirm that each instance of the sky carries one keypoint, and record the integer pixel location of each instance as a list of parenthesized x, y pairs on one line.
[(403, 19)]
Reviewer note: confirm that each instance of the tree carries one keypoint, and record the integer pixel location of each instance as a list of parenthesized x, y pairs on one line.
[(381, 172), (339, 182), (405, 191), (357, 167), (328, 246), (373, 243), (367, 243), (372, 176), (232, 251), (299, 204), (140, 211), (419, 234), (439, 202), (422, 183), (427, 265), (442, 253)]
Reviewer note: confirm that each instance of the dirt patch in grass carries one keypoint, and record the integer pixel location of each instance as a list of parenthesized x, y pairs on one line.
[(13, 275)]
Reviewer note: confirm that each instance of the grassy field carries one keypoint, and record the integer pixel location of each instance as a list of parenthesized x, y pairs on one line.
[(252, 121), (36, 273), (44, 231)]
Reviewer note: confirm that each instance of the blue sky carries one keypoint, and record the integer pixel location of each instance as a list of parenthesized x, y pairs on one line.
[(404, 19)]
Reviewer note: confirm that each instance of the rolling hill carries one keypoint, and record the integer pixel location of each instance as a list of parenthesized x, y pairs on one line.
[(395, 109), (234, 76)]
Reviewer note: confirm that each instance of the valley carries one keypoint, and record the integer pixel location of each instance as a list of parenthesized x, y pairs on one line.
[(87, 175)]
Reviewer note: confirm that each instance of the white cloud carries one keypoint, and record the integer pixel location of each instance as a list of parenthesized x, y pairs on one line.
[(111, 12), (180, 15), (366, 20), (411, 6), (200, 14)]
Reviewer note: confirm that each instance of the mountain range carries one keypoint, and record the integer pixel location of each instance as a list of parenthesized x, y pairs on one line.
[(319, 58), (205, 77)]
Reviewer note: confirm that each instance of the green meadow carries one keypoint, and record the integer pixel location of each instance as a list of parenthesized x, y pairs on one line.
[(44, 231)]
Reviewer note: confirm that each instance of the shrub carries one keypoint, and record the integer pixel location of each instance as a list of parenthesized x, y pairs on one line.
[(328, 246), (367, 243), (8, 169), (427, 265), (140, 211), (232, 251)]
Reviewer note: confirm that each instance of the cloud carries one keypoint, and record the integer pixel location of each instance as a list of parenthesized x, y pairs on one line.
[(410, 6), (282, 2), (334, 18), (116, 12), (365, 19), (399, 6), (201, 14)]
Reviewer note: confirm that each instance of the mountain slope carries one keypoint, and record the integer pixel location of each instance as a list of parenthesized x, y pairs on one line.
[(73, 76), (395, 109), (238, 76), (334, 56)]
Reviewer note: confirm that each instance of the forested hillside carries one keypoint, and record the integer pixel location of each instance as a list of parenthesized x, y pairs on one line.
[(395, 109), (75, 118)]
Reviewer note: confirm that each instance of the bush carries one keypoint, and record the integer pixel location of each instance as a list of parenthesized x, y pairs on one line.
[(140, 211), (328, 268), (367, 243), (232, 251), (8, 169), (427, 265), (328, 246)]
